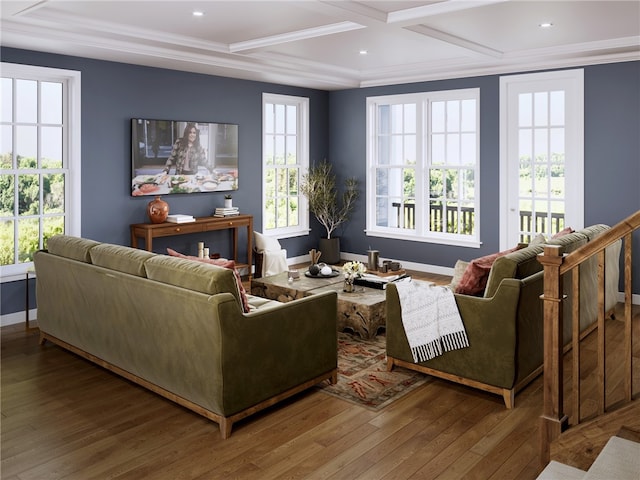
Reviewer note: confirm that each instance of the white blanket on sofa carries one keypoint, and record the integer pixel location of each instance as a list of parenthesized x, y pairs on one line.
[(431, 319), (274, 262)]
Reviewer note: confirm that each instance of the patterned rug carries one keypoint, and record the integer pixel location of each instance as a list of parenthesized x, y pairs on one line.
[(362, 374)]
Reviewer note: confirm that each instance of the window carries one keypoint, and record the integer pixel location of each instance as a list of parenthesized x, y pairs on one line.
[(285, 158), (39, 162), (541, 155), (423, 164)]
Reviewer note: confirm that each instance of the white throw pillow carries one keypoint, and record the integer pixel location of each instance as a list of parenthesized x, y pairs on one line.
[(265, 243)]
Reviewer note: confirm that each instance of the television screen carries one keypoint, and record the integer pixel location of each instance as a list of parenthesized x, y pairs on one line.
[(170, 156)]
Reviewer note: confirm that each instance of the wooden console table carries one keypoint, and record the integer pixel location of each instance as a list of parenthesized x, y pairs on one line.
[(149, 231)]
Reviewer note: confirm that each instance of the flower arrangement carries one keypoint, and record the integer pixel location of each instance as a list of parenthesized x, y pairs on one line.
[(353, 270)]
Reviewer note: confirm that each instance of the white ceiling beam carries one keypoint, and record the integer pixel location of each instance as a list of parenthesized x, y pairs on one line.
[(30, 8), (361, 9), (294, 36), (452, 39), (446, 6)]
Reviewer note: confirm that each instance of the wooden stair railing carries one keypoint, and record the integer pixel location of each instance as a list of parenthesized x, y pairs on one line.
[(553, 420)]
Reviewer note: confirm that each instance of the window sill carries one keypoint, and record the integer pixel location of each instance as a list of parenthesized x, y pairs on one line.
[(453, 241)]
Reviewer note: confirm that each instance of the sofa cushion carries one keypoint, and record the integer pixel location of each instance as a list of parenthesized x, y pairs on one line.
[(474, 279), (220, 262), (519, 264), (200, 277), (539, 239), (594, 230), (123, 259), (570, 241), (258, 303), (71, 247)]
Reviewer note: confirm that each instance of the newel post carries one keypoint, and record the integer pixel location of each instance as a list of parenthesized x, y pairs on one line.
[(553, 421)]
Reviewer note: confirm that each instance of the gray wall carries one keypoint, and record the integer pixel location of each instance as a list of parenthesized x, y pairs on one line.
[(612, 158), (113, 93)]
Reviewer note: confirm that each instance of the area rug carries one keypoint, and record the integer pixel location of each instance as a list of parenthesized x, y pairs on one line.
[(362, 374)]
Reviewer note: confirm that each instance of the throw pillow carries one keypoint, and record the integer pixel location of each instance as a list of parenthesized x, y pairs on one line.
[(563, 232), (458, 272), (265, 243), (539, 239), (474, 279), (220, 262)]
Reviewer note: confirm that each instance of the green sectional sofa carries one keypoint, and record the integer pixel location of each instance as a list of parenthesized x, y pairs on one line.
[(176, 327), (504, 324)]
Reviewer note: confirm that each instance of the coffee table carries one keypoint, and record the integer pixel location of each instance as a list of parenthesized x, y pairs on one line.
[(277, 287), (362, 311)]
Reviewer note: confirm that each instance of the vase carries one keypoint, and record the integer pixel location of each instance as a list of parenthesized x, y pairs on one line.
[(157, 210), (330, 248), (228, 203), (349, 287)]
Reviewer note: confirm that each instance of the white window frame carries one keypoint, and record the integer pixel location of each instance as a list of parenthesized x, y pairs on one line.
[(572, 82), (71, 160), (302, 156), (422, 232)]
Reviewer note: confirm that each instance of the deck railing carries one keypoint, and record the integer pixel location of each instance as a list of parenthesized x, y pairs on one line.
[(553, 420), (529, 222)]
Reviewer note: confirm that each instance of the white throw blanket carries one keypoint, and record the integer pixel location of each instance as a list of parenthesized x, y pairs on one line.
[(274, 262), (431, 319)]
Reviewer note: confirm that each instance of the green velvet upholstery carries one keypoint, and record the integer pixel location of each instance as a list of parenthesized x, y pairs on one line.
[(519, 264), (71, 247), (504, 327), (122, 259), (201, 277), (182, 329)]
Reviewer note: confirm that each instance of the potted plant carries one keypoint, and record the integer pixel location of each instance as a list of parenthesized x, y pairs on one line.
[(228, 201), (319, 186)]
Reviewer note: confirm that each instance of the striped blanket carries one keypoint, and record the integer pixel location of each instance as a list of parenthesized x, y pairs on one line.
[(431, 319)]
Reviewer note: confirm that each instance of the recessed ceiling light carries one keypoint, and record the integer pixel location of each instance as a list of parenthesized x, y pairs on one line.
[(363, 52), (198, 13), (546, 25)]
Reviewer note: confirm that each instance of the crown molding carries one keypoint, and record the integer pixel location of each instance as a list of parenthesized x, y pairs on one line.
[(105, 41)]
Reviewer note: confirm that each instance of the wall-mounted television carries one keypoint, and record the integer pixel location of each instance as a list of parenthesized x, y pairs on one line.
[(171, 156)]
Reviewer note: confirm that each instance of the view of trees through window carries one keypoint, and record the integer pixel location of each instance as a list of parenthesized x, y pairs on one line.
[(32, 174), (285, 158), (24, 216), (424, 153)]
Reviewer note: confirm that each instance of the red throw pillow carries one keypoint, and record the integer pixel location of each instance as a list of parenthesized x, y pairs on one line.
[(474, 279), (220, 262), (561, 233)]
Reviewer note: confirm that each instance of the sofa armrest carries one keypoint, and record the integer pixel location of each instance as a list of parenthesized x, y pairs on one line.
[(275, 348), (490, 324)]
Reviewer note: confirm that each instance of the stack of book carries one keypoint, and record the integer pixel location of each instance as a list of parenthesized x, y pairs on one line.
[(226, 212), (375, 281), (179, 218)]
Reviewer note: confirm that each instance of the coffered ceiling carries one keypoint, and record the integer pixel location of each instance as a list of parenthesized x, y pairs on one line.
[(331, 44)]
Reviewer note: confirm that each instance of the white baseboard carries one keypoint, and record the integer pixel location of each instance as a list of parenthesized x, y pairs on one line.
[(418, 267), (635, 299), (17, 317)]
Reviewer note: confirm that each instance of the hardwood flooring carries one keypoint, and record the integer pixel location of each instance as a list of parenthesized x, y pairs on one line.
[(65, 418)]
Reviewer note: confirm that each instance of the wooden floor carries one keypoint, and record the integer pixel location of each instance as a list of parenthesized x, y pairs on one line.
[(65, 418)]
